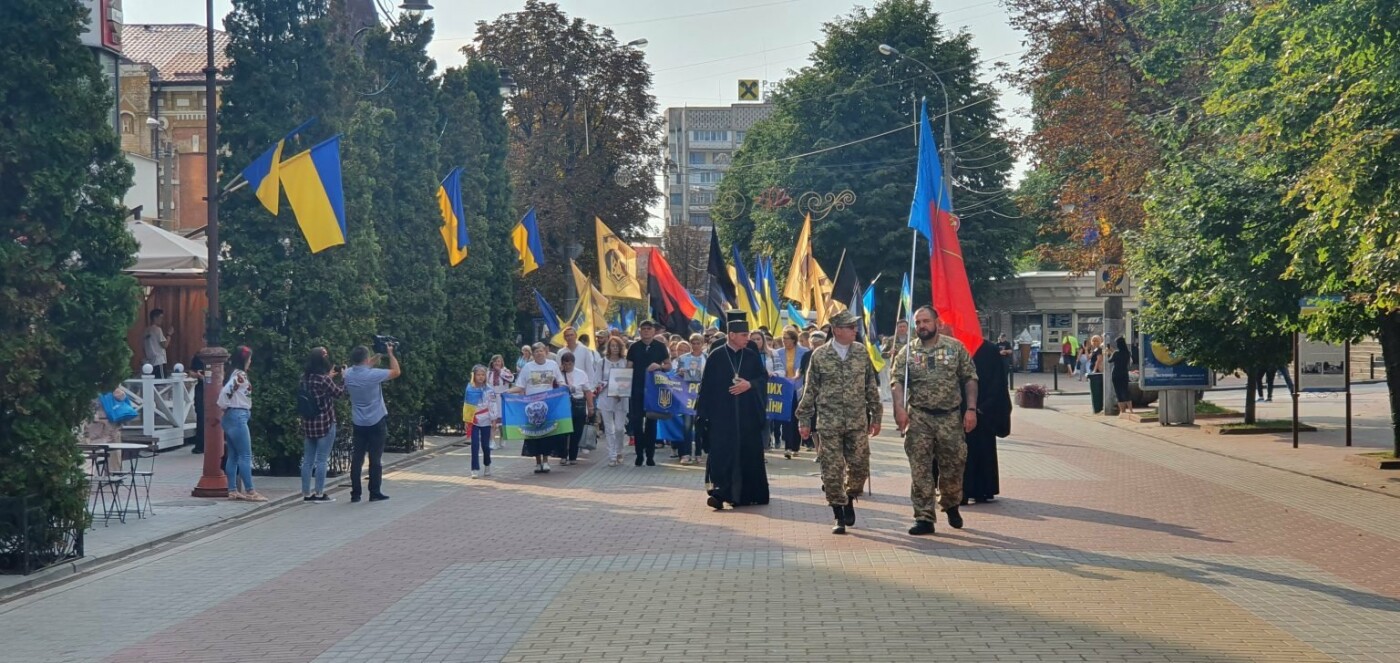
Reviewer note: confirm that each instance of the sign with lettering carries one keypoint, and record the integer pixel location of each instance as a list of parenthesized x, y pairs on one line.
[(780, 392)]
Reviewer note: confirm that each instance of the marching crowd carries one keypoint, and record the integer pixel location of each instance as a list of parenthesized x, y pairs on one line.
[(835, 406)]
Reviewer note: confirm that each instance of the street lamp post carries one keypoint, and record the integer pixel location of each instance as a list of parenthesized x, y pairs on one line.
[(212, 483), (943, 150)]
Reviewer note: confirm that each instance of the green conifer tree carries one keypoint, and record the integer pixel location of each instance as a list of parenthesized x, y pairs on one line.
[(290, 61), (65, 305)]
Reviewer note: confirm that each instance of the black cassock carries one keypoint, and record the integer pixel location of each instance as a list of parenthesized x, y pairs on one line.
[(980, 478), (734, 426)]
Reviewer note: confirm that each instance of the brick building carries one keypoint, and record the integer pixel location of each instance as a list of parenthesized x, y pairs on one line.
[(162, 79)]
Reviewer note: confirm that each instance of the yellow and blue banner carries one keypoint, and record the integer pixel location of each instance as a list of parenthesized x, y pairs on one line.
[(313, 185), (528, 417), (454, 221), (264, 174), (526, 240)]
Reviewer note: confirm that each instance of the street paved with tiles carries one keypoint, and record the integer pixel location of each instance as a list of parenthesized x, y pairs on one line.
[(1106, 545)]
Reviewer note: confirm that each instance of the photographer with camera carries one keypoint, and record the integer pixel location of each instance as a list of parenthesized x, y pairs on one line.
[(368, 413)]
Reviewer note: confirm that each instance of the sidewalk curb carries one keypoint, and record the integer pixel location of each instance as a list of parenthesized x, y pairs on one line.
[(60, 574), (1099, 420)]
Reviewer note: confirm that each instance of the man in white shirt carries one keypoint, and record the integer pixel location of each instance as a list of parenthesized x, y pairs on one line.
[(584, 358), (154, 341)]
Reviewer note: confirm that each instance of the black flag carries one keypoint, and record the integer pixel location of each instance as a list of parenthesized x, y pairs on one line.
[(721, 295)]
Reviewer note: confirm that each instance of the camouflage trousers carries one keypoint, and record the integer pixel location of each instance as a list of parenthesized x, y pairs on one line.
[(935, 442), (845, 460)]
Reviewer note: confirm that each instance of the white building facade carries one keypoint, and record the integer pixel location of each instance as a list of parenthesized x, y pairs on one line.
[(700, 144)]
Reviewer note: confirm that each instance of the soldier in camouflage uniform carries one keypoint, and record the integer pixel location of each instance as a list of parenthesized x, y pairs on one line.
[(939, 369), (843, 391)]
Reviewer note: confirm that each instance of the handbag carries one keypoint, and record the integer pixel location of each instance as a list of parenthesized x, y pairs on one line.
[(117, 410), (590, 437)]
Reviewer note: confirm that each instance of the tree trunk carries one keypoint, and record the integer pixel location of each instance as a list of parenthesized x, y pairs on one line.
[(1390, 351), (1251, 386)]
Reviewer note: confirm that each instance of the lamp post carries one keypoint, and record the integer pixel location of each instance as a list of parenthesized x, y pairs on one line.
[(944, 150), (212, 483)]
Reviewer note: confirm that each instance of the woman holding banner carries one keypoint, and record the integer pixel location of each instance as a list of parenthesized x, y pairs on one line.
[(788, 365), (541, 375), (613, 398)]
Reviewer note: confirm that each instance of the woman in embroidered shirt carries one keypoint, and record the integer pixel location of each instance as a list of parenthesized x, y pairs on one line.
[(237, 403), (499, 378), (478, 418)]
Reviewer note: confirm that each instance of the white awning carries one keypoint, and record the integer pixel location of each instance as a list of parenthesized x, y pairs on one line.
[(164, 252)]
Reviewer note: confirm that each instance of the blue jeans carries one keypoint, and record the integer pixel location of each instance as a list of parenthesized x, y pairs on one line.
[(314, 452), (238, 449), (481, 445)]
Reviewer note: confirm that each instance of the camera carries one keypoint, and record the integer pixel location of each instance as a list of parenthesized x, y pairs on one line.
[(382, 343)]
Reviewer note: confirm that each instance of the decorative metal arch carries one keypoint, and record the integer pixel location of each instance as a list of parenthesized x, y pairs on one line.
[(821, 205)]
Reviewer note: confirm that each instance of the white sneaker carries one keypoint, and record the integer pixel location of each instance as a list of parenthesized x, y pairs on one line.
[(475, 475), (488, 470), (584, 453), (544, 467)]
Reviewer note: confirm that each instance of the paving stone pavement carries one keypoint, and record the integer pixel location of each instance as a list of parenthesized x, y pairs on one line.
[(1106, 545)]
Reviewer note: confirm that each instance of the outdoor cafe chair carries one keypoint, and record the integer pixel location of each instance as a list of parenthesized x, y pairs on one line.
[(103, 485), (138, 477)]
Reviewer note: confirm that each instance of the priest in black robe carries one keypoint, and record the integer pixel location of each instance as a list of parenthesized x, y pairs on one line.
[(731, 411), (980, 476)]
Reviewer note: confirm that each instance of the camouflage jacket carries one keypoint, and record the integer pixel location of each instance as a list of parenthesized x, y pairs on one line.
[(936, 374), (844, 395)]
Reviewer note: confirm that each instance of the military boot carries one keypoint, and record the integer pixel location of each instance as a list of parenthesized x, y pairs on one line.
[(848, 515), (954, 518), (840, 512), (921, 527)]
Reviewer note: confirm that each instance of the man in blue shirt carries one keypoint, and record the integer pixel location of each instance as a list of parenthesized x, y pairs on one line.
[(369, 416)]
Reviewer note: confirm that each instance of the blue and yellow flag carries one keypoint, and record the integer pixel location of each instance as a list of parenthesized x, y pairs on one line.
[(796, 318), (551, 319), (906, 300), (748, 299), (454, 221), (263, 174), (870, 333), (526, 240), (312, 182)]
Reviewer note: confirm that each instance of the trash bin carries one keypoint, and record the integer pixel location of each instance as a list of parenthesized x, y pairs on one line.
[(1096, 391)]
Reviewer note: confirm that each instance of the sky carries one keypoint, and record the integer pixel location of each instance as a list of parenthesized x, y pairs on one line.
[(697, 51)]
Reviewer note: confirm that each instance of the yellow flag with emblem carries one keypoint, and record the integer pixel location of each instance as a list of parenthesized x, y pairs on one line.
[(617, 264)]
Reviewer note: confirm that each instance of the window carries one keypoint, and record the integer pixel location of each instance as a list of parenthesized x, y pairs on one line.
[(712, 136), (702, 198), (706, 177), (182, 102), (700, 220), (677, 199), (739, 136), (697, 158), (128, 123)]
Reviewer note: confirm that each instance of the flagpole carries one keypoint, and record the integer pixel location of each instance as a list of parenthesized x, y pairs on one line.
[(913, 254)]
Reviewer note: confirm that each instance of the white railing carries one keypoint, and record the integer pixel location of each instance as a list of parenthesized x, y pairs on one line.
[(165, 405)]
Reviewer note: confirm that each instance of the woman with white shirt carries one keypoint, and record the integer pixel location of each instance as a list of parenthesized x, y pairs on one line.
[(236, 400), (580, 400), (498, 378), (540, 375), (613, 408)]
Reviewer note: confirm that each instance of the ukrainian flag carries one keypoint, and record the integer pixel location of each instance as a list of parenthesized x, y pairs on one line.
[(748, 299), (454, 222), (312, 182), (526, 240), (263, 174), (868, 303)]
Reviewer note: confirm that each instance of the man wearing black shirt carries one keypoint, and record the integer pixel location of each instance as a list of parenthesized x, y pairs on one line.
[(644, 356)]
